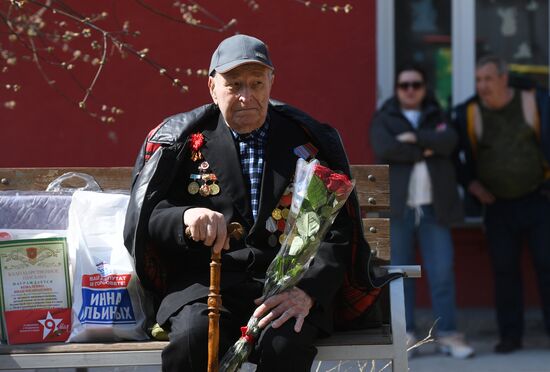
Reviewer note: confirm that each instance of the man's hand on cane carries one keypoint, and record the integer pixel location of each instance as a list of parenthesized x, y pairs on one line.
[(208, 226)]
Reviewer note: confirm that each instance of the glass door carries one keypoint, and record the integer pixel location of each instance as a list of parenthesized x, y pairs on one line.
[(447, 37), (518, 32), (423, 36)]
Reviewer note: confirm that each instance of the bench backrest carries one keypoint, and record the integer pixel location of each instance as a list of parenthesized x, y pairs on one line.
[(372, 186)]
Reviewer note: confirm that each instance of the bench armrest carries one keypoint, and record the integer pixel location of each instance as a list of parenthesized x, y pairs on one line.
[(408, 271)]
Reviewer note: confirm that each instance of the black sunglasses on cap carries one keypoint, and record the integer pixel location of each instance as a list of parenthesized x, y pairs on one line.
[(410, 84)]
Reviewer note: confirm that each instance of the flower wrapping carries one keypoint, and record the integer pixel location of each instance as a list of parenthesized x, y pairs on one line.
[(319, 194)]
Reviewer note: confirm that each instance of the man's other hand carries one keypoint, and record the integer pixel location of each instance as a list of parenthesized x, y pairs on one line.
[(294, 303), (480, 192), (207, 226)]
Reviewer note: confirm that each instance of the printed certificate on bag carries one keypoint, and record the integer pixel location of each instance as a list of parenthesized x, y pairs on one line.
[(35, 290)]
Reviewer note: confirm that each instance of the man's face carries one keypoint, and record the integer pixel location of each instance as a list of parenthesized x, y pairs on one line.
[(491, 85), (242, 95)]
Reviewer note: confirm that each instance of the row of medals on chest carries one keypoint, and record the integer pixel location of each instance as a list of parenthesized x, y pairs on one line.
[(275, 224), (204, 183)]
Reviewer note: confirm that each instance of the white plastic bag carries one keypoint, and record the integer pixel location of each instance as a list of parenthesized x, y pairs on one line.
[(107, 296)]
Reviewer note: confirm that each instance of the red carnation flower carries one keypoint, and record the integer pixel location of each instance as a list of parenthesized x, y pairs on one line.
[(197, 140)]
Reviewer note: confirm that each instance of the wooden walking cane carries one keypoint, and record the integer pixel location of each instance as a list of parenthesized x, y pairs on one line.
[(234, 231), (214, 304)]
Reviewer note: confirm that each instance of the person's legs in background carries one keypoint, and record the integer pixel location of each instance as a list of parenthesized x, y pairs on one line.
[(436, 247), (539, 243), (504, 235)]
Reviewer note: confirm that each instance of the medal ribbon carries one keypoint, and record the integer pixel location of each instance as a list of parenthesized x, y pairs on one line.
[(306, 151)]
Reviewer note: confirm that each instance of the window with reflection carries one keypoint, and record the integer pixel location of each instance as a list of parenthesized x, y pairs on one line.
[(423, 36), (518, 32)]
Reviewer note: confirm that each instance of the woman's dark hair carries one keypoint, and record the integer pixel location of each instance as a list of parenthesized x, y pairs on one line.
[(411, 67)]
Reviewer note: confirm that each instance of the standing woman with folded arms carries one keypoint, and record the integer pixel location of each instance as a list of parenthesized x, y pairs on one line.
[(411, 134)]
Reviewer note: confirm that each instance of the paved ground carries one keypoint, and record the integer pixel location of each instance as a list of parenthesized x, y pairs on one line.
[(480, 329)]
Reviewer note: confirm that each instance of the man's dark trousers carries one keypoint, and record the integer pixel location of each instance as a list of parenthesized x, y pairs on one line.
[(276, 350), (509, 224)]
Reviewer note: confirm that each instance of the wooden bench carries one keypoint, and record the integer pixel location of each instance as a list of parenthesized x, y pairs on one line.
[(386, 342)]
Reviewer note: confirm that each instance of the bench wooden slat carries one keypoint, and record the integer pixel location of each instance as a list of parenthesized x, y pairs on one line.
[(37, 179), (60, 347), (377, 233), (81, 360), (372, 180), (372, 185)]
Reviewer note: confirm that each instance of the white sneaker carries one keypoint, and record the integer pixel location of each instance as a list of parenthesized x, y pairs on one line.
[(410, 342), (454, 345)]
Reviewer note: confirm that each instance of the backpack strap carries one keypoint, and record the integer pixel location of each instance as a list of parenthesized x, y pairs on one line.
[(530, 111), (474, 125), (532, 117)]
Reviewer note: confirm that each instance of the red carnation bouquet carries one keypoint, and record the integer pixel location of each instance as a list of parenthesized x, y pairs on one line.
[(319, 194)]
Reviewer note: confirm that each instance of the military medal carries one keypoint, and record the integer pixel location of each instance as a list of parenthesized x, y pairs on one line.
[(205, 184), (214, 189), (197, 140), (306, 152), (276, 214), (286, 200), (285, 213), (204, 190), (204, 166), (271, 225), (276, 223), (193, 188)]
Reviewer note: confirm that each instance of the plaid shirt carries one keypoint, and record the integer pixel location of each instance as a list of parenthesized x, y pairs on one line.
[(252, 150)]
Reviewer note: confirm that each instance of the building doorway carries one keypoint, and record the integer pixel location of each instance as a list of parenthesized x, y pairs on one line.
[(447, 36)]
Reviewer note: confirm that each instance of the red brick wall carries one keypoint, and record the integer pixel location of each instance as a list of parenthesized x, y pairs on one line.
[(325, 65)]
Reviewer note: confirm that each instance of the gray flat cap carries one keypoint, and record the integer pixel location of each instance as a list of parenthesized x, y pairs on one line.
[(238, 50)]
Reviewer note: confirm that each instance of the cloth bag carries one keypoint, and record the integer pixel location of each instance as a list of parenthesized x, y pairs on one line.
[(108, 300)]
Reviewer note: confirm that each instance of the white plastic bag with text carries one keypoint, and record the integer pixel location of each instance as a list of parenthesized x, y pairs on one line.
[(107, 296)]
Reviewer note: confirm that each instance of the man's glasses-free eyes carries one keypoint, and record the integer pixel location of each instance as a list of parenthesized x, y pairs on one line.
[(405, 85)]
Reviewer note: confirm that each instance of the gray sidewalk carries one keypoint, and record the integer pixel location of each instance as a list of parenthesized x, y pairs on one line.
[(480, 328)]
